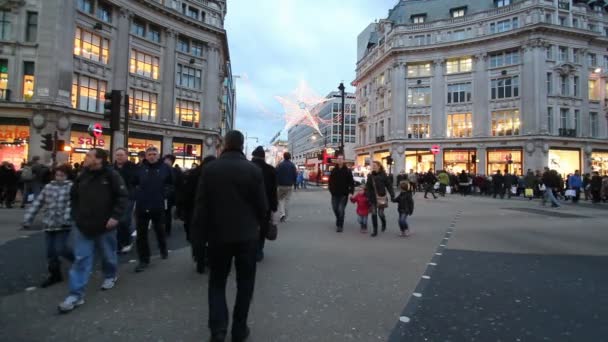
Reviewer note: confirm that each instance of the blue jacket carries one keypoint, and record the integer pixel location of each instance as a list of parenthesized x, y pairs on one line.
[(154, 183), (286, 173), (575, 182)]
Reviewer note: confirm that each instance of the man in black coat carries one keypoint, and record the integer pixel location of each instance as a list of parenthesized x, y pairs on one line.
[(498, 181), (128, 172), (270, 181), (341, 184), (230, 207)]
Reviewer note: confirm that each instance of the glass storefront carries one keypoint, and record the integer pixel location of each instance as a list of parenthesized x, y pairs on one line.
[(564, 161), (361, 160), (419, 160), (599, 162), (187, 154), (14, 141), (82, 142), (381, 157), (505, 160), (457, 160)]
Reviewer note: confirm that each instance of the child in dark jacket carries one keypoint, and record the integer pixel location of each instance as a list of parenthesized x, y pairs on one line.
[(363, 207), (406, 207)]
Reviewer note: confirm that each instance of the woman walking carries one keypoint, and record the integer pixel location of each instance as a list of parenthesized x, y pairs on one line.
[(378, 186)]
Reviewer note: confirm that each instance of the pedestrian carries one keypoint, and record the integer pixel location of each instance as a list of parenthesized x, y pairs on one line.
[(508, 183), (550, 181), (596, 187), (54, 201), (575, 182), (270, 186), (8, 184), (378, 187), (286, 178), (27, 178), (230, 207), (305, 175), (363, 207), (444, 182), (98, 200), (429, 181), (463, 183), (177, 178), (128, 171), (498, 184), (154, 183), (604, 190), (531, 184), (405, 207), (586, 186), (341, 184), (413, 179)]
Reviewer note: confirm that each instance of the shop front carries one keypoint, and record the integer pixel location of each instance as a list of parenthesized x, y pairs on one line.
[(381, 157), (187, 152), (14, 140), (564, 161), (419, 160), (456, 160), (505, 160), (140, 142), (362, 160), (599, 162), (81, 142)]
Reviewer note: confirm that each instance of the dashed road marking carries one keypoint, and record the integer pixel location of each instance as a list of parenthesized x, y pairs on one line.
[(404, 319), (426, 277), (416, 294)]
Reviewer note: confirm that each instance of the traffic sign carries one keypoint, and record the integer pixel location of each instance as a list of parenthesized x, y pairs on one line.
[(95, 130), (435, 149)]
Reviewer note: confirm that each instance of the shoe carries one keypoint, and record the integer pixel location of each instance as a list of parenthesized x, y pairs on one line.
[(403, 233), (383, 229), (51, 280), (219, 337), (164, 255), (243, 337), (283, 218), (339, 230), (200, 267), (126, 249), (374, 234), (363, 231), (141, 267), (109, 283), (69, 304), (259, 256)]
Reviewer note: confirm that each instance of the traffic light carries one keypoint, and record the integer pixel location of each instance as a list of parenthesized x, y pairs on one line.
[(60, 145), (111, 108), (47, 142)]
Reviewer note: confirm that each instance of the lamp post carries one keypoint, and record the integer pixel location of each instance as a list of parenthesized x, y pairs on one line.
[(341, 88), (247, 144)]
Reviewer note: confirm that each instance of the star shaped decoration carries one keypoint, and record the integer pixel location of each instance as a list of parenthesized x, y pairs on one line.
[(302, 107)]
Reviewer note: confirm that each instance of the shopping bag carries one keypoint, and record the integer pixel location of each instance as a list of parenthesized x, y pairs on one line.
[(542, 187), (448, 189), (30, 198), (514, 190), (529, 192), (436, 186), (570, 193)]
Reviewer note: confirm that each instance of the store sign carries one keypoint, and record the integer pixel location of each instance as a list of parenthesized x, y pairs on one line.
[(84, 141), (435, 149), (10, 132)]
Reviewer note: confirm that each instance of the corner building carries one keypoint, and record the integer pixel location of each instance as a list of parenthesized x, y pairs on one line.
[(496, 84), (59, 57)]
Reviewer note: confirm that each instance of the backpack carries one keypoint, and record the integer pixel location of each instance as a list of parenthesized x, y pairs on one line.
[(27, 174)]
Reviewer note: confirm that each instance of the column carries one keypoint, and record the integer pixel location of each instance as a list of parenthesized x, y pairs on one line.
[(167, 95), (533, 89), (167, 145), (481, 112), (584, 91), (398, 155), (399, 98), (439, 160), (213, 82), (438, 118), (482, 156)]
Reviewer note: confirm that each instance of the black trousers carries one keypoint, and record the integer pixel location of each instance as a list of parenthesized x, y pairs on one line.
[(264, 227), (168, 220), (220, 262), (144, 217)]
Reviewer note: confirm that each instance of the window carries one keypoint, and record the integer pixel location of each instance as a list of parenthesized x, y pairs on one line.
[(459, 92), (502, 26), (188, 77), (5, 25), (458, 12), (187, 112), (502, 3), (563, 54), (592, 59), (104, 12), (418, 18), (593, 91), (419, 96), (577, 121), (575, 23), (138, 28), (29, 80), (563, 21), (549, 18), (144, 64), (550, 120), (591, 27), (183, 44), (154, 33), (91, 46), (192, 13), (31, 30), (576, 86), (565, 85), (564, 117), (458, 35), (594, 124), (550, 52), (504, 58), (549, 83), (418, 126), (86, 6), (459, 65), (3, 78), (421, 40), (419, 70), (197, 48), (88, 93), (459, 125), (503, 88), (505, 123), (606, 62), (382, 79), (143, 105), (575, 55)]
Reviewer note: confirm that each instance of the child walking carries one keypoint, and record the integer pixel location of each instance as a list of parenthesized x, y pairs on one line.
[(363, 206), (406, 207), (55, 199)]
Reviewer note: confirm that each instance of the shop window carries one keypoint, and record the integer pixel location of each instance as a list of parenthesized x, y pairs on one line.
[(593, 91), (91, 46), (504, 58), (143, 105), (459, 65), (503, 88), (144, 64), (418, 127), (88, 93), (505, 123), (29, 80), (13, 142), (459, 92), (564, 161), (188, 77), (459, 125), (419, 96), (3, 79), (187, 113), (187, 154), (419, 69), (593, 124), (505, 161), (31, 29)]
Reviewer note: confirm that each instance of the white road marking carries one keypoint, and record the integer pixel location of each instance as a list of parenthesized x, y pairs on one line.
[(31, 288), (404, 319), (132, 261), (441, 245), (438, 254), (416, 294), (432, 264), (426, 277)]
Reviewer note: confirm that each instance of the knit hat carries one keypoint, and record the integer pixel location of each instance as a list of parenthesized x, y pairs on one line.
[(259, 152)]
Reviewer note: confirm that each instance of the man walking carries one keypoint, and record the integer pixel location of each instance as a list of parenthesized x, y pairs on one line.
[(128, 172), (575, 182), (98, 200), (412, 177), (550, 181), (230, 207), (154, 182), (270, 182), (287, 175), (498, 181), (429, 184), (341, 184)]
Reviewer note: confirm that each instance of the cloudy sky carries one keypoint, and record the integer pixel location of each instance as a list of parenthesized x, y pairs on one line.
[(277, 44)]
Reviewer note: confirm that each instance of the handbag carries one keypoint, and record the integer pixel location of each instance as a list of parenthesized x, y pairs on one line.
[(570, 193), (273, 232), (529, 192), (381, 201)]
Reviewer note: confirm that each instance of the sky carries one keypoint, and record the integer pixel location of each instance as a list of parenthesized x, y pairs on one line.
[(275, 45)]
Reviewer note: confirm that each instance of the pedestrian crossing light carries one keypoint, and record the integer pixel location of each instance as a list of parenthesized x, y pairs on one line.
[(47, 142), (111, 108)]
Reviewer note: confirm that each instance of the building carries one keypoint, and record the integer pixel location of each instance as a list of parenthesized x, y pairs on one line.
[(494, 84), (305, 143), (59, 57), (274, 153)]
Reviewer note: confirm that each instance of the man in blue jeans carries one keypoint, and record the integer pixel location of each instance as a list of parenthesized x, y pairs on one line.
[(341, 184), (99, 200)]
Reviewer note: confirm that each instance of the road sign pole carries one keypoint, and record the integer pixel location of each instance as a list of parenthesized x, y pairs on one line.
[(94, 142)]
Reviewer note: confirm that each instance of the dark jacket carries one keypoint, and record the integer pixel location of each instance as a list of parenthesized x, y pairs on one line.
[(596, 183), (177, 177), (381, 182), (97, 196), (128, 172), (429, 178), (154, 184), (270, 182), (406, 203), (230, 201), (186, 197), (509, 180), (550, 180), (286, 173), (341, 182), (498, 181)]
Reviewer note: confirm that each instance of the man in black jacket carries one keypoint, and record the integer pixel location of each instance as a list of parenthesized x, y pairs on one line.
[(128, 172), (270, 181), (341, 184), (498, 183), (98, 201), (230, 207)]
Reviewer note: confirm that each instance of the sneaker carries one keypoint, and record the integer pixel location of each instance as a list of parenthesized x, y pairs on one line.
[(126, 249), (70, 303), (109, 283), (141, 267), (283, 218)]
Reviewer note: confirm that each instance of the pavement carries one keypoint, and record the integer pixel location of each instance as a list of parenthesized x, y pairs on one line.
[(474, 269)]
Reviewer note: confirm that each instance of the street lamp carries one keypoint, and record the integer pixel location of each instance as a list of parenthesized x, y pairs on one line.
[(598, 70), (341, 88)]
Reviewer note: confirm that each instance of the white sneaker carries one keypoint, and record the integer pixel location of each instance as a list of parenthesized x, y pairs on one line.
[(109, 283), (70, 303), (126, 249)]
